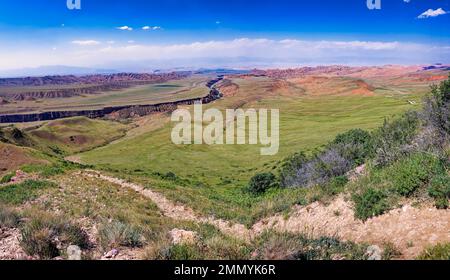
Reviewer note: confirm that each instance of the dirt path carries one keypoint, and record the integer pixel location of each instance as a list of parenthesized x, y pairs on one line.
[(409, 229), (175, 211)]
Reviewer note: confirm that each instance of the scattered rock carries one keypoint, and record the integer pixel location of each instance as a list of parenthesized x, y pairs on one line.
[(179, 236), (111, 254), (374, 253), (10, 248), (73, 253)]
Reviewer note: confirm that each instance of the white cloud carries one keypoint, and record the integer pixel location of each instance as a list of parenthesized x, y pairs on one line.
[(432, 13), (86, 43), (131, 42), (125, 28), (242, 52), (151, 27)]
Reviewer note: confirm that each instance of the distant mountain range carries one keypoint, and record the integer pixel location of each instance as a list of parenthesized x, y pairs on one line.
[(53, 70), (60, 70)]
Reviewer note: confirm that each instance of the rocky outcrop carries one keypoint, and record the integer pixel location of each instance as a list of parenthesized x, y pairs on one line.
[(90, 79), (121, 112)]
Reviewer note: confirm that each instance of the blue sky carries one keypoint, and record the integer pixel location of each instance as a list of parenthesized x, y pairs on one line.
[(223, 33)]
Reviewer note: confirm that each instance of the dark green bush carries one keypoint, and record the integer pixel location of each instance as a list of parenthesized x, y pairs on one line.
[(354, 145), (336, 185), (183, 252), (260, 183), (439, 189), (372, 202), (170, 176), (413, 172), (441, 203), (7, 178)]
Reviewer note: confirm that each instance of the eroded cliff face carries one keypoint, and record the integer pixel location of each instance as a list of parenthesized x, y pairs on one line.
[(73, 85), (120, 112), (90, 79)]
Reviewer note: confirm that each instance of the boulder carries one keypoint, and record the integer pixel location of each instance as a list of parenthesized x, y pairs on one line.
[(73, 253), (111, 254), (374, 253)]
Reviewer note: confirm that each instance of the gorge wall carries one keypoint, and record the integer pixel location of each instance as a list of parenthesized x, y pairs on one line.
[(121, 112)]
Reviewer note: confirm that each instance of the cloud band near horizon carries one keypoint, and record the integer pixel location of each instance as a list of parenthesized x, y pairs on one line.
[(242, 52)]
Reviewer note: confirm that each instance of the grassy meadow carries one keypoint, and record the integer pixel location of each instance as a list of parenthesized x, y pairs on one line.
[(211, 179)]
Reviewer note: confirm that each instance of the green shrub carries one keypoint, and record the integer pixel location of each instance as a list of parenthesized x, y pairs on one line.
[(260, 183), (355, 145), (8, 217), (439, 189), (170, 176), (392, 140), (336, 185), (390, 251), (441, 203), (183, 252), (7, 178), (438, 252), (320, 169), (372, 202), (72, 234), (437, 106), (413, 172), (20, 193), (290, 167), (115, 234)]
